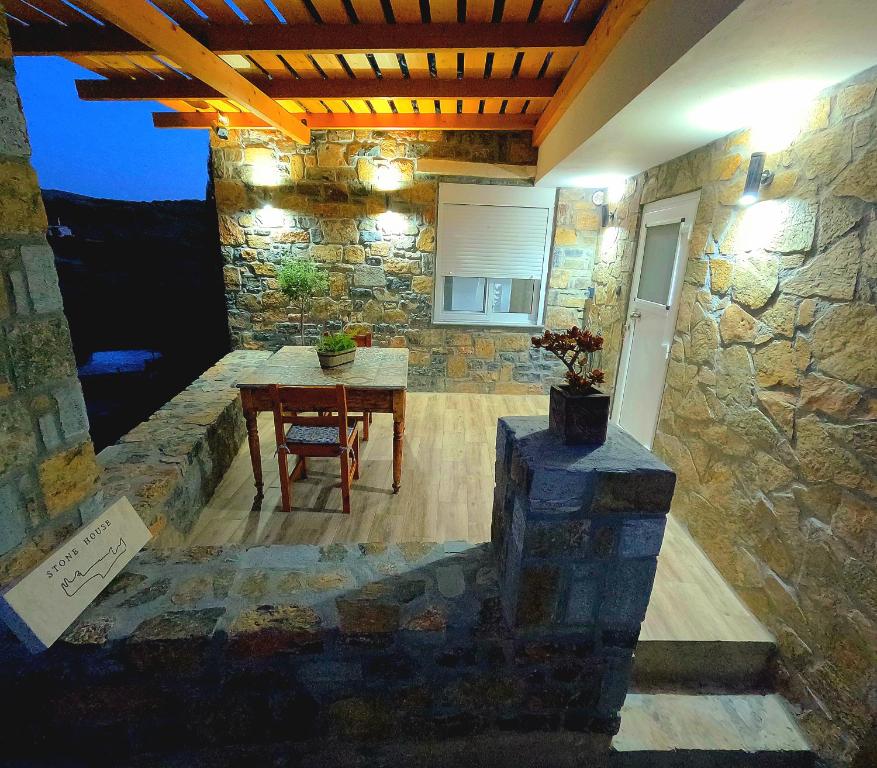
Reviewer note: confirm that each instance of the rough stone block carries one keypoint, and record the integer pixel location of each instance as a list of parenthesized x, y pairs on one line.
[(68, 477), (42, 279), (628, 586), (642, 538), (12, 519), (368, 276)]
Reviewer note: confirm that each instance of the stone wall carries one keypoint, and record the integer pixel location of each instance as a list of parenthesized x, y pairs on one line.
[(48, 474), (768, 414), (379, 249)]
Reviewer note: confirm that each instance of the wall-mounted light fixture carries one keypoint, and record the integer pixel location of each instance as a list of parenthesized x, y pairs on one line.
[(607, 200), (388, 178), (756, 177), (221, 125)]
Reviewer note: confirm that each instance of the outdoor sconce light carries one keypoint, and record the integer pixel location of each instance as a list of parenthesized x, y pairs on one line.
[(756, 177), (607, 201), (221, 126), (599, 200)]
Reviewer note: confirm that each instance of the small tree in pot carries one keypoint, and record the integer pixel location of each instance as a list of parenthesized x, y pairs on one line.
[(300, 280), (578, 412)]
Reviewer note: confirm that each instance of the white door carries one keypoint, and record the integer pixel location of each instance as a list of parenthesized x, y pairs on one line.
[(661, 254)]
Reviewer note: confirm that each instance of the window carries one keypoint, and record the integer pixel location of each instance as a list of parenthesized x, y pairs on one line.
[(492, 254)]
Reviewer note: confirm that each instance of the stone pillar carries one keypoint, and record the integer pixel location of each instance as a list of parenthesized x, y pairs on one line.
[(48, 473), (576, 532)]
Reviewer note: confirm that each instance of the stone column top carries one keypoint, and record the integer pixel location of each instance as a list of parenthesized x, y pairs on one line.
[(619, 476)]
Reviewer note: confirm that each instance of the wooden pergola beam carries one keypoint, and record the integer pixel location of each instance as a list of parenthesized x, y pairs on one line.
[(147, 24), (55, 39), (399, 122), (615, 20), (333, 88)]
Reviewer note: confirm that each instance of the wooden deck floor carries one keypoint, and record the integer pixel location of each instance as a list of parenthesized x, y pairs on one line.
[(447, 495)]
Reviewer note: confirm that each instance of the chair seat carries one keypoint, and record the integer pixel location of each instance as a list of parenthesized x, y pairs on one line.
[(314, 435)]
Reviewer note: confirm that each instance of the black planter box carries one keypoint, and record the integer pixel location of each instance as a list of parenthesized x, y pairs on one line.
[(578, 419)]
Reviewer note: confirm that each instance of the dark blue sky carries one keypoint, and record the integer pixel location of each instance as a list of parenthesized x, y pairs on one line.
[(105, 149)]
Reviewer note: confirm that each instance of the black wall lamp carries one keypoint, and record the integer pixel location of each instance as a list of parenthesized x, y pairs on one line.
[(756, 177)]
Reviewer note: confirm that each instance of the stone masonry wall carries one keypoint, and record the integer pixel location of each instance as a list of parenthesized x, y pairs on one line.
[(48, 473), (768, 414), (379, 249)]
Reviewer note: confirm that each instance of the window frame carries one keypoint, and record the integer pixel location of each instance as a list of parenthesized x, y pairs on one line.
[(494, 195)]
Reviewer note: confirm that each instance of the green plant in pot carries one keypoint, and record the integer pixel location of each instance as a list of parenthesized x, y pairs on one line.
[(336, 349), (300, 280), (578, 413)]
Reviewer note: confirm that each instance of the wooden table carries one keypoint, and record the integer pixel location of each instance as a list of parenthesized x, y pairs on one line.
[(376, 381)]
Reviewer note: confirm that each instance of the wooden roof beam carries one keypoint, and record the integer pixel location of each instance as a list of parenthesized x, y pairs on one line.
[(147, 24), (400, 122), (333, 88), (615, 20), (54, 39)]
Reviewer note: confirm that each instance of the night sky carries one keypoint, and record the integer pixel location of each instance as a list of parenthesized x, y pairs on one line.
[(105, 149)]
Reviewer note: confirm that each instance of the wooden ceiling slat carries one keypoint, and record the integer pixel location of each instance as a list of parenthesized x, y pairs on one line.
[(199, 106), (479, 10), (291, 106), (492, 106), (369, 11), (403, 106), (503, 63), (515, 106), (418, 65), (359, 65), (537, 106), (222, 106), (425, 106), (471, 106), (256, 11), (330, 64), (92, 64), (532, 61), (60, 11), (448, 106), (381, 106), (555, 10), (446, 64), (443, 11), (388, 63), (294, 11), (150, 64), (218, 12), (588, 10), (332, 11), (179, 11), (313, 105), (272, 65), (178, 105), (125, 65), (406, 11), (560, 62), (336, 106), (25, 12), (302, 65), (358, 107), (517, 10), (473, 63)]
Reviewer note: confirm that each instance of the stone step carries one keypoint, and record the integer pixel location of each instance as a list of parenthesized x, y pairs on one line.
[(692, 666), (698, 634), (689, 731)]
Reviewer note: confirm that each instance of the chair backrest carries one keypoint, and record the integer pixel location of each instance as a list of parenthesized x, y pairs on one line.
[(329, 403), (363, 339)]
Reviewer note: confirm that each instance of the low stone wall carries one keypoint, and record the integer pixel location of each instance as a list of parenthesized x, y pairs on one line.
[(353, 644), (169, 465)]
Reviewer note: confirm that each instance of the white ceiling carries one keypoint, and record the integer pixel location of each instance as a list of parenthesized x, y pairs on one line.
[(747, 59)]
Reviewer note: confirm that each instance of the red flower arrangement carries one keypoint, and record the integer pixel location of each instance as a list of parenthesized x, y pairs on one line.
[(574, 349)]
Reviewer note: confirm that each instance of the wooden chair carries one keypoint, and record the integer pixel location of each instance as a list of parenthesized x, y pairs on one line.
[(363, 340), (327, 434)]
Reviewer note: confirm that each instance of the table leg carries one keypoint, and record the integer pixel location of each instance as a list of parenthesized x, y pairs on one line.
[(251, 417), (398, 432)]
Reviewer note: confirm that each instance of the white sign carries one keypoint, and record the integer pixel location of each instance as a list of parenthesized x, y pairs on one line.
[(49, 599)]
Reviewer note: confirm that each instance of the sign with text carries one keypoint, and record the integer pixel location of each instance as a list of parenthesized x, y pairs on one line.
[(40, 607)]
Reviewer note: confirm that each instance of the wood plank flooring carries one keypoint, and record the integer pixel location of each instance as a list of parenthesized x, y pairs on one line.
[(447, 495)]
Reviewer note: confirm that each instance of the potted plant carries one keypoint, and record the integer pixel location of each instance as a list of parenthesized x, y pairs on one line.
[(300, 280), (336, 349), (578, 412)]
